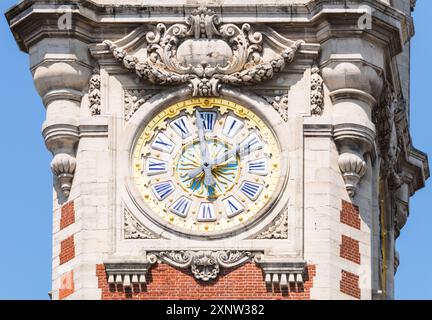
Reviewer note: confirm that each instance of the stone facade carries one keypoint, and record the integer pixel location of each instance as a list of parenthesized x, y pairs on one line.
[(330, 78)]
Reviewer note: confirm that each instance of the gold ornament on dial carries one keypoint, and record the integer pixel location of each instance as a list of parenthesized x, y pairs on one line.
[(206, 166)]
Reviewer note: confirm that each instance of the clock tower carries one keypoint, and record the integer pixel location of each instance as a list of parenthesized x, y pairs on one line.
[(218, 150)]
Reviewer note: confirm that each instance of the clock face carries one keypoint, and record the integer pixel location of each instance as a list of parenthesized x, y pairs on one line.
[(206, 166)]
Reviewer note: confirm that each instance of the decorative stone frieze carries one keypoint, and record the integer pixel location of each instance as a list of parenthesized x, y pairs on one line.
[(204, 265), (280, 271)]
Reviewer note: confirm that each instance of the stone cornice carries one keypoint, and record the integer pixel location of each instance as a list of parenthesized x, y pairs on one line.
[(89, 18)]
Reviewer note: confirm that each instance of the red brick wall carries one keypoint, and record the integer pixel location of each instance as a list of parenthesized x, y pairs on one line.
[(350, 249), (350, 215), (67, 215), (67, 250), (349, 284), (67, 286), (166, 282)]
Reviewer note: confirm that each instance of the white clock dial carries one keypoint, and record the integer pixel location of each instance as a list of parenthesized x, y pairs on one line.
[(206, 166)]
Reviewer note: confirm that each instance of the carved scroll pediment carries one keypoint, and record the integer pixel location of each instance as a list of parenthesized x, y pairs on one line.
[(204, 53)]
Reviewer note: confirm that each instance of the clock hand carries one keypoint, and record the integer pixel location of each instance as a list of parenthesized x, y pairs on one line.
[(208, 179), (223, 158)]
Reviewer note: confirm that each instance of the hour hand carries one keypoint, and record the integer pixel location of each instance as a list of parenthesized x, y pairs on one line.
[(195, 172)]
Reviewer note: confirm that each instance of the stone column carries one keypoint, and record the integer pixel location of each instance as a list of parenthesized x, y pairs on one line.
[(61, 71), (355, 85)]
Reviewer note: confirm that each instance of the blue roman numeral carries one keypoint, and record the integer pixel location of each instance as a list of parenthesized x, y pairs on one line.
[(181, 206), (162, 143), (258, 167), (163, 190), (209, 119), (181, 125), (251, 190)]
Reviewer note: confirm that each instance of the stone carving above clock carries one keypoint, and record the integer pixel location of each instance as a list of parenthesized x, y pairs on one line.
[(205, 53)]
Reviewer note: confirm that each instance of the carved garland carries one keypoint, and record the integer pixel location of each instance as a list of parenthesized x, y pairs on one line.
[(228, 55)]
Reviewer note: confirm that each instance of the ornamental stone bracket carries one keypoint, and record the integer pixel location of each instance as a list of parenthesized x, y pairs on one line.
[(205, 53), (281, 271), (128, 274)]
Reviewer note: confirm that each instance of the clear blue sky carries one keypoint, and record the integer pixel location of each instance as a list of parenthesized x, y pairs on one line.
[(25, 177)]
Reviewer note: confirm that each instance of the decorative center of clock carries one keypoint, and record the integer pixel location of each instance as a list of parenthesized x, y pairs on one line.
[(212, 177)]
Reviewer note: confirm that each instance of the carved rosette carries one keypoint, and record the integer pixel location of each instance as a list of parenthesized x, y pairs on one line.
[(204, 265), (205, 54)]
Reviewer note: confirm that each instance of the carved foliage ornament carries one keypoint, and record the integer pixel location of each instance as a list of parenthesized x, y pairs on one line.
[(317, 92), (204, 265), (389, 120), (134, 99), (278, 229), (95, 94), (133, 229), (205, 54)]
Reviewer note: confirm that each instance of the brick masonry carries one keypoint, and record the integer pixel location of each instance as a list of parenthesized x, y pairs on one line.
[(245, 282), (67, 215), (350, 249), (350, 215), (67, 250), (67, 285), (349, 284)]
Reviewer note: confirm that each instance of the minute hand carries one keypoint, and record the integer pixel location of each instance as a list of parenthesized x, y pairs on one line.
[(226, 156)]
